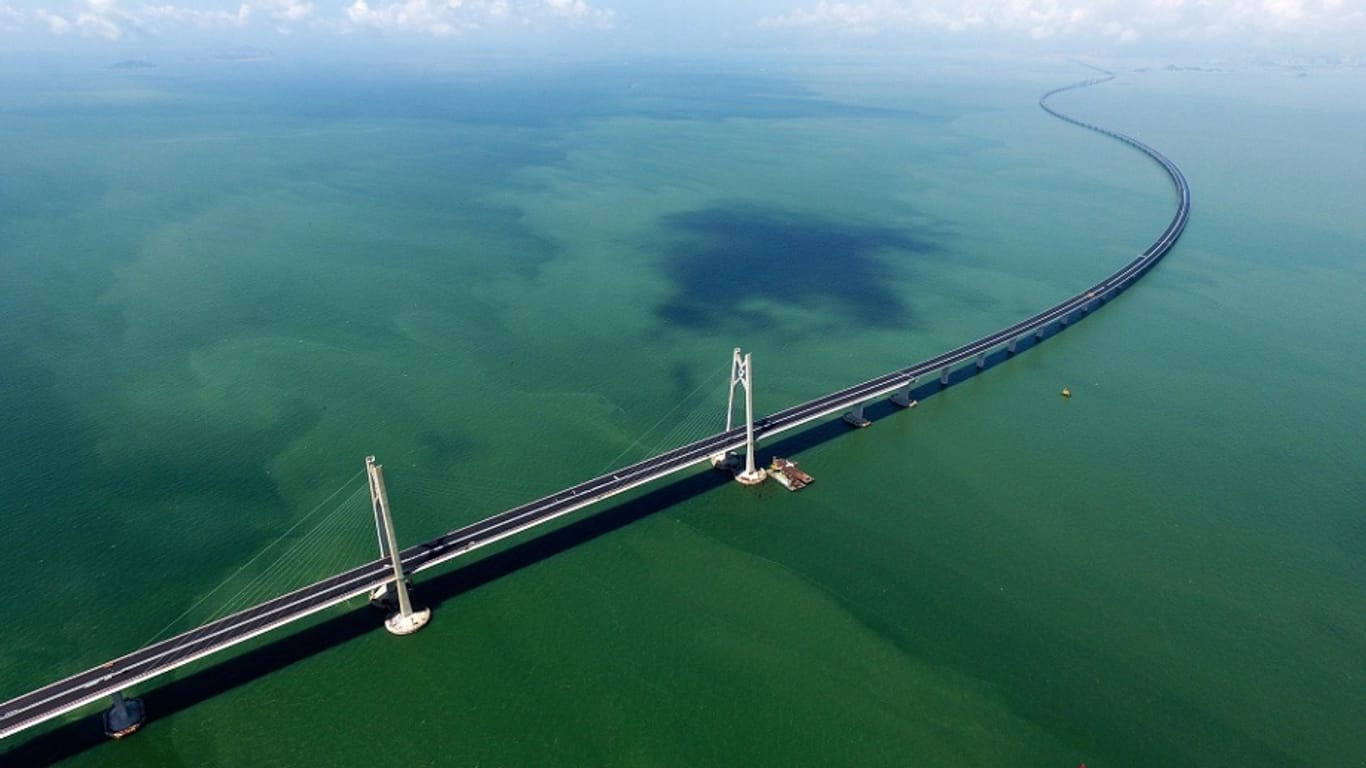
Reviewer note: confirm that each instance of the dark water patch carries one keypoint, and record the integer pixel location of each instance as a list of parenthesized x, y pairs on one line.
[(442, 446), (502, 242), (1333, 630), (45, 188), (1045, 675), (49, 297), (46, 440), (724, 260), (684, 382), (227, 466)]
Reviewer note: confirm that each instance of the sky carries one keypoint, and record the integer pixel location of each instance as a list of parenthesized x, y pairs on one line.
[(1302, 27)]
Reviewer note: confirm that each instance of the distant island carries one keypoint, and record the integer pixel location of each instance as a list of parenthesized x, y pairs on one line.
[(132, 64)]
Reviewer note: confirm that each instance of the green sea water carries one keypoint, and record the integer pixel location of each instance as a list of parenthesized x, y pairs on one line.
[(223, 285)]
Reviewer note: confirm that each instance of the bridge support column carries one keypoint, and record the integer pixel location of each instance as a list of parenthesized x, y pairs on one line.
[(126, 716), (1065, 319), (1010, 348), (902, 397), (944, 376), (405, 621), (1038, 332), (854, 417), (981, 360)]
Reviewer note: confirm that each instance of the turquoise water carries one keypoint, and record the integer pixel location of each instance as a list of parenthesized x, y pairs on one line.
[(222, 288)]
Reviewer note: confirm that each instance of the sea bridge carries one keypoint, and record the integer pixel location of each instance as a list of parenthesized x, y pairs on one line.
[(384, 579)]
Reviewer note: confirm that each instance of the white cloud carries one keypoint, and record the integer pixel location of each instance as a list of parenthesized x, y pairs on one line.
[(102, 18), (108, 20), (99, 25), (850, 17), (112, 20), (10, 18), (442, 18), (162, 18), (56, 23), (285, 10), (1113, 20), (579, 10)]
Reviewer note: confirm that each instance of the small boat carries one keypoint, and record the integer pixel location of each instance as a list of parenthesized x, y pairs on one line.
[(789, 474)]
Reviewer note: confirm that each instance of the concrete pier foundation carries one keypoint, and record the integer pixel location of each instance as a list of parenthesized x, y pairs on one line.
[(725, 462), (748, 477), (400, 623), (854, 417), (944, 376), (126, 716), (981, 360), (902, 397)]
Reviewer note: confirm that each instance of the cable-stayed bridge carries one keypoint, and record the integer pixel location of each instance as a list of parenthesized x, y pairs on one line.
[(385, 578)]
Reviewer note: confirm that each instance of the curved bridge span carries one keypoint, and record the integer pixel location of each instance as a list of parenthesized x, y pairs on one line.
[(55, 699)]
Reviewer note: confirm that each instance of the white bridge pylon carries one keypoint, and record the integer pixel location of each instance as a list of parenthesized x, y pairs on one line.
[(741, 374), (405, 620)]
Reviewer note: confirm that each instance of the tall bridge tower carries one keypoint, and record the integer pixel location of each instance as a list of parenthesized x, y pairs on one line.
[(741, 375), (405, 620)]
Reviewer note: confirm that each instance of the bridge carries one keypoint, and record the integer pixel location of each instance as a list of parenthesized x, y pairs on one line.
[(387, 574)]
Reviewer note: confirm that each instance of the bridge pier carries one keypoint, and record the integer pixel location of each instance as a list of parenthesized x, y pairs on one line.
[(1010, 348), (1065, 319), (944, 376), (854, 417), (405, 620), (725, 462), (126, 716), (1039, 332), (902, 397), (981, 360)]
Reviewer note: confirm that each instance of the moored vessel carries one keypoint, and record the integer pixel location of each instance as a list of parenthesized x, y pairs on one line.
[(789, 474)]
